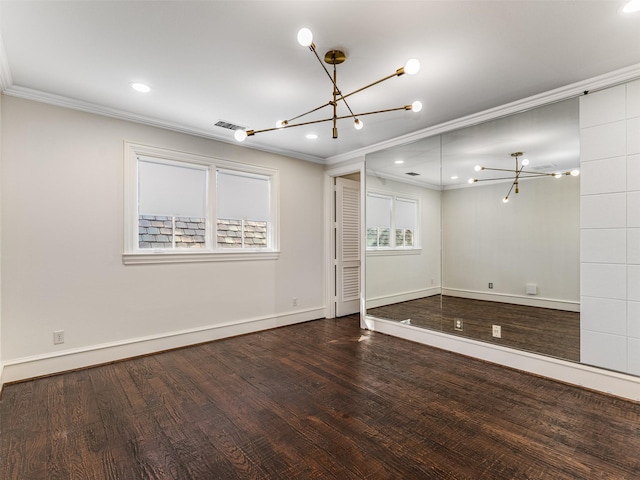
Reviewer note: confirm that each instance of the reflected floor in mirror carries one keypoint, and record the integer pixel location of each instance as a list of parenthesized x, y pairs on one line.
[(541, 330)]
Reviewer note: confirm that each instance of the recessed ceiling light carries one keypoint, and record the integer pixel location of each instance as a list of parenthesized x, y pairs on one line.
[(140, 87), (311, 136), (630, 7), (399, 162)]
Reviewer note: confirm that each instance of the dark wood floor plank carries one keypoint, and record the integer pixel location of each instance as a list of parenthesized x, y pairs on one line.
[(319, 400)]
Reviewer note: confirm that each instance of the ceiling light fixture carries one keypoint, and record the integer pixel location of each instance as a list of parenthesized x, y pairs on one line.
[(140, 87), (336, 57), (518, 172), (631, 7)]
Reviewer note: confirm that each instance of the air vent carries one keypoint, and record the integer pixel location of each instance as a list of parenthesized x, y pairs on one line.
[(413, 174), (228, 125)]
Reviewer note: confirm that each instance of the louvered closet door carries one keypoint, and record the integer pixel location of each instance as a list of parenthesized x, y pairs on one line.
[(347, 247)]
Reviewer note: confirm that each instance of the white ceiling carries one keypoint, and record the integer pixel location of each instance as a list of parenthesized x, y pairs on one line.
[(238, 60)]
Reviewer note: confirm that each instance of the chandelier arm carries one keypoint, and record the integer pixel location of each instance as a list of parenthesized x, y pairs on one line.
[(509, 192), (333, 81), (371, 85), (406, 107), (310, 111), (253, 132)]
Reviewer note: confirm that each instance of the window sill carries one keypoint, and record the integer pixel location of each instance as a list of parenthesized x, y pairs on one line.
[(195, 257), (381, 252)]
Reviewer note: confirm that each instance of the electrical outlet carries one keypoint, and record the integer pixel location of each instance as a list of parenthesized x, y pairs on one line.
[(294, 302), (490, 284), (496, 331), (58, 337), (458, 324)]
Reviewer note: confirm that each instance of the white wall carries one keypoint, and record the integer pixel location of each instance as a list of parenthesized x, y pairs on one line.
[(532, 239), (393, 277), (610, 210), (62, 241)]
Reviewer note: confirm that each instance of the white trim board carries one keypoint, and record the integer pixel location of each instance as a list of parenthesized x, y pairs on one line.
[(605, 381), (52, 363)]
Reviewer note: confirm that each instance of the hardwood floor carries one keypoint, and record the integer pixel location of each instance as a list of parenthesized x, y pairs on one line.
[(320, 400), (542, 330)]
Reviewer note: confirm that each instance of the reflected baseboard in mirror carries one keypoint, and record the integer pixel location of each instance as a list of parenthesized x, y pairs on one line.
[(545, 331)]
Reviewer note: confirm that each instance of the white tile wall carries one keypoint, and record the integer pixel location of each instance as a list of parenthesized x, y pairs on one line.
[(633, 99), (605, 106), (633, 246), (603, 211), (610, 228), (633, 283), (603, 350), (633, 209), (633, 136), (633, 172), (603, 245), (603, 176), (603, 141), (603, 280), (593, 310), (633, 319), (633, 366)]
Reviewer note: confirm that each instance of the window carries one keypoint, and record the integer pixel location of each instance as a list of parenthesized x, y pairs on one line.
[(388, 213), (243, 210), (182, 207)]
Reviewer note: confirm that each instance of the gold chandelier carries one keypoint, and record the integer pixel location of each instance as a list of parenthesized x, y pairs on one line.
[(518, 174), (336, 57)]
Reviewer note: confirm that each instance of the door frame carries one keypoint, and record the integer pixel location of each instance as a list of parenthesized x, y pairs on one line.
[(330, 250)]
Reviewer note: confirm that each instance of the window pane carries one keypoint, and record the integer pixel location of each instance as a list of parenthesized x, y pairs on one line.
[(384, 235), (243, 196), (171, 190), (406, 213), (378, 211), (190, 232), (155, 231)]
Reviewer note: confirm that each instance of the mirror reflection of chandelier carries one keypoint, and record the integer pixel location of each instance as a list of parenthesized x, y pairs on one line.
[(336, 57), (518, 173)]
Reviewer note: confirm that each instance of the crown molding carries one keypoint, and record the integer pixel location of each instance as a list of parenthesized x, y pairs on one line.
[(87, 107), (600, 82)]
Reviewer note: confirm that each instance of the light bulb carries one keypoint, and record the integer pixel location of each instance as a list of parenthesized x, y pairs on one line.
[(412, 66), (416, 106), (141, 87), (358, 124), (505, 199), (575, 173), (557, 175), (525, 162), (240, 135), (281, 123), (472, 180), (398, 162), (305, 37), (631, 7), (477, 168)]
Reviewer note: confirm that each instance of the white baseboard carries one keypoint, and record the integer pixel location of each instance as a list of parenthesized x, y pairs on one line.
[(402, 297), (529, 300), (613, 383), (46, 364)]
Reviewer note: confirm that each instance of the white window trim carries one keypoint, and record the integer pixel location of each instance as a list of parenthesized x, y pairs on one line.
[(395, 250), (133, 255)]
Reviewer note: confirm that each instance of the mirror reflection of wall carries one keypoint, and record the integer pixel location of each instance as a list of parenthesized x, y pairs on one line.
[(510, 265)]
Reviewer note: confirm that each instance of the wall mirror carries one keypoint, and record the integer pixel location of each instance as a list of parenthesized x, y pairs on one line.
[(449, 255)]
